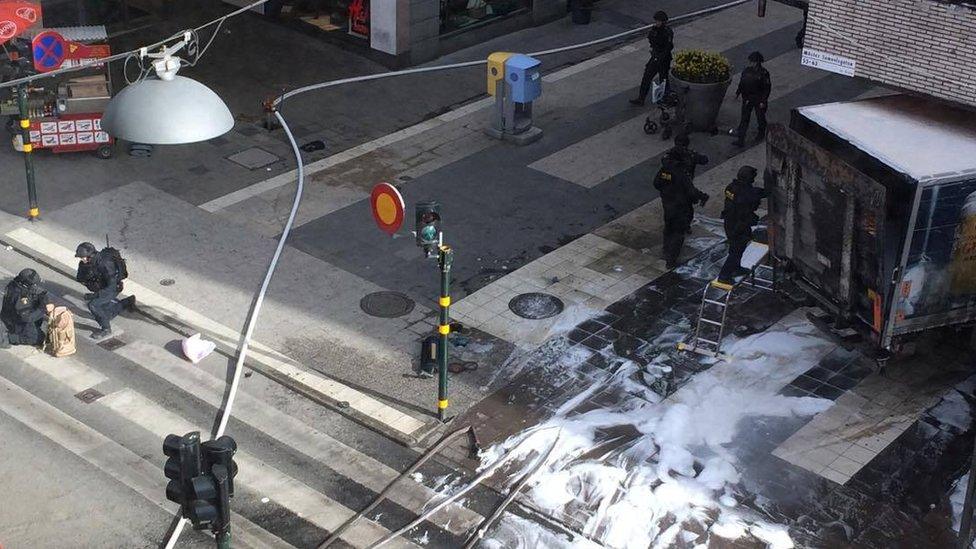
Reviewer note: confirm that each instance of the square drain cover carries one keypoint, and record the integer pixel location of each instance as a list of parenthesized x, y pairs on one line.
[(89, 395), (253, 158), (111, 344)]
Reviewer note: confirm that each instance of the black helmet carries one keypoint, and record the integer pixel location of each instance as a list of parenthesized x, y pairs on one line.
[(682, 140), (28, 277), (756, 57), (661, 16), (747, 174), (85, 249)]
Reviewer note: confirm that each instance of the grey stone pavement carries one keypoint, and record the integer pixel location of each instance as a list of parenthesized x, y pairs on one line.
[(576, 206)]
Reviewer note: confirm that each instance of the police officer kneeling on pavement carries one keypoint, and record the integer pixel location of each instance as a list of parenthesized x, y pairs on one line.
[(674, 181), (102, 273), (25, 309), (739, 216)]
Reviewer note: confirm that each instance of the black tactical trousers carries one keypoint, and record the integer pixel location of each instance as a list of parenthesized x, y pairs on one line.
[(654, 67), (737, 246), (104, 309), (675, 229), (749, 105)]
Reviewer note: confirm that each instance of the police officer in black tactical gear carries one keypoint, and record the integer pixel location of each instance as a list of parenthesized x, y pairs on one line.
[(100, 272), (661, 39), (25, 309), (739, 216), (674, 181), (754, 87)]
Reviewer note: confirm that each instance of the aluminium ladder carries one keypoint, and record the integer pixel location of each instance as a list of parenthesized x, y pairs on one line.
[(710, 328)]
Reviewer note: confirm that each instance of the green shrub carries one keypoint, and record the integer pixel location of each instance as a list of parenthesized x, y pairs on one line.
[(701, 67)]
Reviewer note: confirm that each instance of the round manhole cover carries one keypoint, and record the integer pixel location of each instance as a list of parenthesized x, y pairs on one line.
[(386, 304), (536, 305), (167, 282)]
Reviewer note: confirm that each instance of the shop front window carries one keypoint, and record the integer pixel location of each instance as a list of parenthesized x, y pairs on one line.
[(459, 14)]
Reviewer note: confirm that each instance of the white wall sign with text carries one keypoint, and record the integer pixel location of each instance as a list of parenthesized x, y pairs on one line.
[(828, 62)]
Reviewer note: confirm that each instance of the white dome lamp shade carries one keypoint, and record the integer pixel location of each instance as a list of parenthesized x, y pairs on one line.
[(167, 109)]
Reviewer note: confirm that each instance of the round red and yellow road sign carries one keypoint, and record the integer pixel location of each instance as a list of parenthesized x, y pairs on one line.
[(387, 205)]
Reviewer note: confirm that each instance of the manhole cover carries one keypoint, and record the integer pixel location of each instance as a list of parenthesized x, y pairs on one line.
[(386, 304), (536, 305), (89, 395), (253, 158), (167, 282), (111, 344)]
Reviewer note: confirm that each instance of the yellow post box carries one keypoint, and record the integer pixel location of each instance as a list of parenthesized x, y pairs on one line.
[(496, 69)]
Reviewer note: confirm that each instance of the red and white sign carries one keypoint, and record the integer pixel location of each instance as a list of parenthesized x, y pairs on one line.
[(71, 132), (16, 17), (387, 206)]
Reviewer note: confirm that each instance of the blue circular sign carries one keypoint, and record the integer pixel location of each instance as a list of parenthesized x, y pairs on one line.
[(49, 51)]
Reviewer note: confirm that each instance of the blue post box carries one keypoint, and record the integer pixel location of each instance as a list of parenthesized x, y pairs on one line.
[(524, 78)]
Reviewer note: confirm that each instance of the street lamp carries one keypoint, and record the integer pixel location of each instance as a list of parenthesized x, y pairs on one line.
[(167, 109)]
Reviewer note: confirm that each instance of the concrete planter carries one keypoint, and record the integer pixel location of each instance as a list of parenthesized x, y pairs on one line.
[(702, 103)]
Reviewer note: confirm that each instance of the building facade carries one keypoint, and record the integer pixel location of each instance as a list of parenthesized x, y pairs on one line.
[(924, 46), (407, 32)]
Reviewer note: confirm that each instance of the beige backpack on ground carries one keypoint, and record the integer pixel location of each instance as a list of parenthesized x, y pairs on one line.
[(60, 333)]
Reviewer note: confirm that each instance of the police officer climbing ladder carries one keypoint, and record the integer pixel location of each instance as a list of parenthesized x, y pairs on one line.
[(739, 216), (674, 181), (102, 272)]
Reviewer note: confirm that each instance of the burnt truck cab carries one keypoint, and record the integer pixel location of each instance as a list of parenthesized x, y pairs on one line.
[(872, 211)]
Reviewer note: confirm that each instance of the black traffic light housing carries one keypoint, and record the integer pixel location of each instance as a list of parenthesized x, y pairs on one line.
[(427, 216), (182, 465), (203, 478)]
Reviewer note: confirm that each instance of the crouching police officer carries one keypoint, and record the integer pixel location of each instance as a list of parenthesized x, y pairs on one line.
[(102, 273), (25, 309), (674, 181), (739, 216)]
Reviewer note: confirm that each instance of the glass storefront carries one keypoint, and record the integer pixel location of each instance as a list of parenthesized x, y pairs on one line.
[(460, 14)]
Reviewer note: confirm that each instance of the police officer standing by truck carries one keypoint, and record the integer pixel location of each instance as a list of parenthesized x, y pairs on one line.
[(661, 40), (674, 181), (102, 273), (739, 216)]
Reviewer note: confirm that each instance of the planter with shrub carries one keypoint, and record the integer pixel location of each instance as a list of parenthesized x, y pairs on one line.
[(703, 77)]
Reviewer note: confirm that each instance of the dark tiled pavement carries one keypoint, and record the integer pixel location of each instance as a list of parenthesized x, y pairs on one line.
[(898, 500)]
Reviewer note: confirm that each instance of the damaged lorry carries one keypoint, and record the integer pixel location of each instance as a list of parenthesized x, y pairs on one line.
[(872, 212)]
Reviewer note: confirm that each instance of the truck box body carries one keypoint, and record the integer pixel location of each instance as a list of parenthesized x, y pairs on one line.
[(873, 207)]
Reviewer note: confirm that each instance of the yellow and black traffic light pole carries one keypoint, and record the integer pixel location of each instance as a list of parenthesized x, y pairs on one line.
[(444, 259), (25, 123)]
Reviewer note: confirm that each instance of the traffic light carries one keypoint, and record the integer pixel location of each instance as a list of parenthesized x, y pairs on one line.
[(212, 490), (203, 479), (181, 467), (428, 225)]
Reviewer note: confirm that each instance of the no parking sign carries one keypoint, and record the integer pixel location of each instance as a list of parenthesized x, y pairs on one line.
[(50, 50)]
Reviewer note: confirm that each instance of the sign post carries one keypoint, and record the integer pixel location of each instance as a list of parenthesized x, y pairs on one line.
[(387, 206), (25, 124)]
